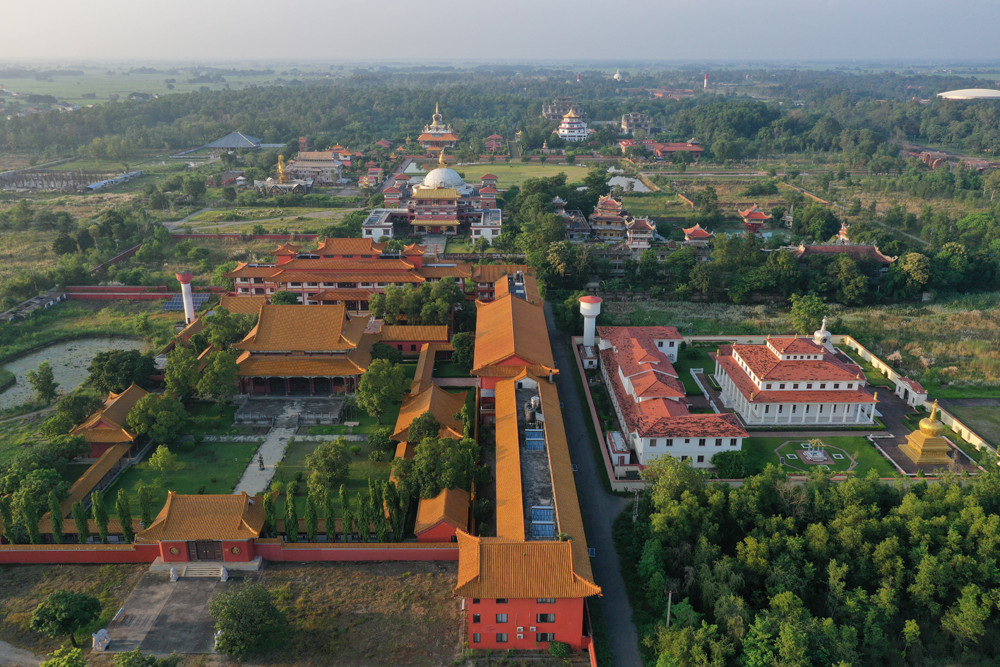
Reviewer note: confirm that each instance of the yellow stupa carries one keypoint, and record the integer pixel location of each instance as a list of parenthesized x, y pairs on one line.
[(926, 445)]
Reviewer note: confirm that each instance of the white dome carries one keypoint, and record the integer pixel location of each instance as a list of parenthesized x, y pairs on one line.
[(443, 177), (971, 94)]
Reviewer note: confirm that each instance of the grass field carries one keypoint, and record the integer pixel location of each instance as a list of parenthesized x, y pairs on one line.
[(983, 419), (448, 369), (26, 586), (694, 357), (515, 173), (760, 452), (210, 467), (17, 435), (656, 205), (365, 613), (872, 374), (360, 471)]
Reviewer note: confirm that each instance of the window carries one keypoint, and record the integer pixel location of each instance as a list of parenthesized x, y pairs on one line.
[(545, 636), (767, 409), (501, 600), (795, 386), (659, 343), (718, 442), (732, 442), (501, 618), (780, 409), (836, 385), (476, 638), (475, 600), (671, 343), (652, 442), (822, 385), (781, 386), (475, 618), (501, 638), (701, 459), (768, 386), (546, 600), (809, 386), (545, 618), (821, 409), (701, 442), (807, 409), (669, 442)]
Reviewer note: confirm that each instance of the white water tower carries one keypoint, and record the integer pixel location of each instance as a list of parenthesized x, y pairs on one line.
[(184, 278), (590, 308)]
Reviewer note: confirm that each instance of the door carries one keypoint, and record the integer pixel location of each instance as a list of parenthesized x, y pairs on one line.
[(205, 550)]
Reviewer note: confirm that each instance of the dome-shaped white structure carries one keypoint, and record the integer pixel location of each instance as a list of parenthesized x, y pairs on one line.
[(443, 177), (971, 94)]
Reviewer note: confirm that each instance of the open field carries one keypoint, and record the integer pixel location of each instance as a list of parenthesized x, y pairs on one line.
[(760, 452), (210, 467), (365, 613), (694, 357), (514, 173), (984, 420), (656, 205), (26, 586), (17, 435)]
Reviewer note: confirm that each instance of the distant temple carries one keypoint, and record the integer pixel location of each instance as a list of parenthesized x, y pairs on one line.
[(572, 128), (437, 136)]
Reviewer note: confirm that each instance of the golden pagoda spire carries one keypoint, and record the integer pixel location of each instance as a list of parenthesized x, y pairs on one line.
[(441, 158), (436, 108), (934, 409)]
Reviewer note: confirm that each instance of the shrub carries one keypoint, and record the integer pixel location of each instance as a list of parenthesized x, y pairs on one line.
[(245, 617), (375, 456), (559, 649), (355, 450)]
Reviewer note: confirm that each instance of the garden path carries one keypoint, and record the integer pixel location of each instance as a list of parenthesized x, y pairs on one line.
[(17, 657), (256, 479)]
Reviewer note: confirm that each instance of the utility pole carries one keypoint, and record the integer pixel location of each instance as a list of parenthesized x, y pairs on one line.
[(670, 599)]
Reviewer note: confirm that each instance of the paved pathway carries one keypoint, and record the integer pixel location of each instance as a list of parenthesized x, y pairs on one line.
[(161, 616), (17, 657), (456, 382), (600, 509), (255, 480)]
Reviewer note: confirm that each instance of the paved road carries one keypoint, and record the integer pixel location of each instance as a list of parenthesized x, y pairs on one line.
[(16, 657), (600, 509)]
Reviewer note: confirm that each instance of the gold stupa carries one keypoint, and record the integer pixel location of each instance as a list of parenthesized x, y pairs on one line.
[(926, 445)]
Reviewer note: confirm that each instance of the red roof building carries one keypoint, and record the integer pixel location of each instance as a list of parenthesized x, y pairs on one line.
[(754, 218), (608, 222), (698, 235), (650, 402), (793, 380)]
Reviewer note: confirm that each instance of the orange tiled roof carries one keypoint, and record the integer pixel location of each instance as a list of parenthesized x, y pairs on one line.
[(440, 403), (337, 265), (697, 232), (435, 193), (450, 506), (243, 305), (428, 137), (405, 450), (93, 475), (455, 271), (344, 294), (286, 249), (297, 365), (795, 345), (854, 251), (206, 517), (349, 246), (425, 333), (246, 270), (423, 377), (509, 505), (108, 423), (766, 365), (490, 273), (303, 328), (373, 276), (414, 250), (510, 328), (490, 567)]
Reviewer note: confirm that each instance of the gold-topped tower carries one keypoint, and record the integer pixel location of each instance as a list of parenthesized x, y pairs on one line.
[(926, 445)]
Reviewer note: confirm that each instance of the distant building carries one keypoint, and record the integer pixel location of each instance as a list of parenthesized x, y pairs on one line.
[(572, 128), (320, 166), (608, 219), (635, 121), (559, 107), (437, 135)]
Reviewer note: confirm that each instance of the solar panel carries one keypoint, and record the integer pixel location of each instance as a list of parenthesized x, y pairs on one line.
[(534, 440), (541, 514), (176, 302), (543, 529)]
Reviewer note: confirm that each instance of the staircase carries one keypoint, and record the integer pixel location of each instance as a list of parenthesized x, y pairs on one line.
[(209, 570)]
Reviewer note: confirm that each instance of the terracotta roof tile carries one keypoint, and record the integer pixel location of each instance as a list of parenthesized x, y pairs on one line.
[(301, 328), (455, 271), (442, 404), (425, 333), (767, 366), (108, 423), (93, 475), (745, 386), (511, 329), (206, 517), (242, 305), (297, 366), (245, 270), (509, 505), (498, 568), (450, 506), (349, 246)]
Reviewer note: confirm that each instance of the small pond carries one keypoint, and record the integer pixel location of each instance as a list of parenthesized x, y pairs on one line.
[(69, 359), (623, 181)]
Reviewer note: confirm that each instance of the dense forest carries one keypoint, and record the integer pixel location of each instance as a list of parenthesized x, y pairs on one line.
[(780, 573)]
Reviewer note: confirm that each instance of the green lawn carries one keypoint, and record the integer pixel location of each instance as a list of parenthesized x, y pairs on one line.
[(656, 205), (983, 419), (210, 419), (17, 435), (872, 374), (448, 369), (366, 423), (210, 467), (694, 357), (937, 390), (515, 173), (358, 474), (760, 452)]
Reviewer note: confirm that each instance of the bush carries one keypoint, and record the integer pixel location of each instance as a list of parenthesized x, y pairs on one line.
[(559, 649), (355, 450), (245, 618), (730, 465), (375, 456)]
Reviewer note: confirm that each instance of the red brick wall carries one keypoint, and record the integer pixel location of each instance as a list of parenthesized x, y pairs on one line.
[(180, 557), (245, 548), (568, 625), (354, 552), (93, 553)]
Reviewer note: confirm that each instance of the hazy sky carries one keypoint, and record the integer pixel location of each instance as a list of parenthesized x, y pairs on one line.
[(669, 30)]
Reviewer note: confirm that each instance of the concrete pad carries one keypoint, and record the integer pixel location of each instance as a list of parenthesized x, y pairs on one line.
[(183, 624)]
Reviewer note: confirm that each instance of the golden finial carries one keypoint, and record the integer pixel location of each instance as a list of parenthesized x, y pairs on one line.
[(934, 409), (441, 158), (436, 108), (876, 397)]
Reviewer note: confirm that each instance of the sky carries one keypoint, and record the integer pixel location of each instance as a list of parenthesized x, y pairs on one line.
[(513, 30)]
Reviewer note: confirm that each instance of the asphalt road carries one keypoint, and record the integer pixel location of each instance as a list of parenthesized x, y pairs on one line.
[(599, 508)]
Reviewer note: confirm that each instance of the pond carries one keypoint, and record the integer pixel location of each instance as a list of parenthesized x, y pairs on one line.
[(623, 181), (70, 360)]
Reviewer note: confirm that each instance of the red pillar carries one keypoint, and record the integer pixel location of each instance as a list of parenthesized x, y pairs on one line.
[(312, 387)]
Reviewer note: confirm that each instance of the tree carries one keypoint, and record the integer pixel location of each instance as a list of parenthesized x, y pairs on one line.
[(284, 298), (229, 193), (56, 516), (44, 383), (144, 492), (66, 656), (194, 186), (312, 518), (124, 511), (245, 617), (347, 517), (82, 522), (291, 514), (807, 313), (381, 385), (100, 514), (79, 405), (64, 244), (730, 465), (443, 463), (329, 462), (64, 613), (387, 352), (465, 348), (135, 658), (160, 417), (218, 380), (182, 372), (164, 461), (270, 515), (424, 426), (116, 370)]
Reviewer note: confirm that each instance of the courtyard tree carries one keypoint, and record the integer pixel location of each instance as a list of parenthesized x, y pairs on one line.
[(218, 380), (807, 312), (100, 514), (164, 461), (245, 618), (443, 463), (312, 518), (135, 658), (124, 511), (270, 515), (144, 494), (43, 382), (82, 522), (424, 426), (291, 513), (329, 463), (380, 386), (6, 516), (464, 344), (161, 417), (56, 516), (116, 370), (284, 298), (346, 516), (181, 375), (79, 405), (63, 613)]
